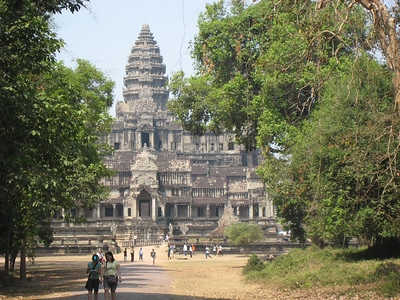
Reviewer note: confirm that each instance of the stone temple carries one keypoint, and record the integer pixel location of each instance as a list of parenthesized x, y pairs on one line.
[(167, 180)]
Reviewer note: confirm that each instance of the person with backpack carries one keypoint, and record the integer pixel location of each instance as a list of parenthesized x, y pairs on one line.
[(93, 282)]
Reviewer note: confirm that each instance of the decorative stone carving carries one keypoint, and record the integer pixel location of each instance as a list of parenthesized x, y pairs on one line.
[(184, 229)]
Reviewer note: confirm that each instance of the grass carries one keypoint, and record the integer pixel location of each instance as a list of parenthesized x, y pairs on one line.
[(341, 270)]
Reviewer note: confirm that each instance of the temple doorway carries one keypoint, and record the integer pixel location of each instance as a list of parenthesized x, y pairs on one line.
[(144, 204)]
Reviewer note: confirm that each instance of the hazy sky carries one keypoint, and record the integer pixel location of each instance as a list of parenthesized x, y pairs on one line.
[(105, 32)]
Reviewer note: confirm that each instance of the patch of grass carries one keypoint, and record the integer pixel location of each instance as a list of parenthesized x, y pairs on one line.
[(341, 270)]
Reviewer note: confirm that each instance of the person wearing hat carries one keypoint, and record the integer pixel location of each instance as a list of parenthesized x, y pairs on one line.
[(94, 270)]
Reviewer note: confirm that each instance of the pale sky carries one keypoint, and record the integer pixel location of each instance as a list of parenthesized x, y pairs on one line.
[(105, 32)]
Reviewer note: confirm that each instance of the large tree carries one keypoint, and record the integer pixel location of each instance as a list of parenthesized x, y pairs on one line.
[(300, 80), (52, 118)]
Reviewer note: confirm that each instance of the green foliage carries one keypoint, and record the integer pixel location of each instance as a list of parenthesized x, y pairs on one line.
[(337, 177), (254, 263), (262, 66), (331, 268), (301, 84), (50, 154), (244, 233)]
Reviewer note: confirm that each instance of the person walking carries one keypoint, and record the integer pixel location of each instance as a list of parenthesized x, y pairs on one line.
[(93, 282), (184, 249), (153, 256), (141, 253), (111, 272), (132, 254), (125, 255), (208, 252)]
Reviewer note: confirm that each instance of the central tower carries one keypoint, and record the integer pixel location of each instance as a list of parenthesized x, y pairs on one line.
[(145, 78)]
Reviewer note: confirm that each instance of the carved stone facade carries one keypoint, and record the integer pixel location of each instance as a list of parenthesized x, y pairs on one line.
[(166, 176)]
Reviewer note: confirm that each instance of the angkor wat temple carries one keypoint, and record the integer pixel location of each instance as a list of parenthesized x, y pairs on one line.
[(167, 178)]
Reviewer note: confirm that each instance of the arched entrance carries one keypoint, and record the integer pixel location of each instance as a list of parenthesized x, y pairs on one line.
[(144, 204)]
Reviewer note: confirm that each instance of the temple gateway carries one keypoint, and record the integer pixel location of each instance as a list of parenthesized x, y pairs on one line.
[(168, 182)]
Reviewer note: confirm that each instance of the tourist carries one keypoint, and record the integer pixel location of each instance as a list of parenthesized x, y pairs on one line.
[(208, 252), (215, 250), (100, 256), (194, 249), (132, 254), (220, 251), (111, 275), (190, 251), (94, 270), (185, 249), (153, 256), (140, 253), (170, 251), (125, 255)]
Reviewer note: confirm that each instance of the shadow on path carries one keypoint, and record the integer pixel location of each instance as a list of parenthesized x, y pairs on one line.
[(139, 281)]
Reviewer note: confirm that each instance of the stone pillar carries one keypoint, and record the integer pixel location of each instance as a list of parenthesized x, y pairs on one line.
[(189, 211), (175, 211), (134, 210), (251, 214), (163, 211), (208, 211), (114, 210), (98, 215), (151, 140), (153, 209)]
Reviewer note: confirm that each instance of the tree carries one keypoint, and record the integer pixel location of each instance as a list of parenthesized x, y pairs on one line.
[(244, 234), (50, 150), (386, 29), (336, 181), (300, 81), (261, 68)]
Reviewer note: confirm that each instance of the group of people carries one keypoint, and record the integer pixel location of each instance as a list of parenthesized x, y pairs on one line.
[(107, 273), (191, 249), (133, 254)]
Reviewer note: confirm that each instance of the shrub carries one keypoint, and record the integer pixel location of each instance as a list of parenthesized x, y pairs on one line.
[(254, 263)]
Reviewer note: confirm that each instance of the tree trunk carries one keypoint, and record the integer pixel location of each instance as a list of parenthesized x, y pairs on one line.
[(7, 255), (22, 267)]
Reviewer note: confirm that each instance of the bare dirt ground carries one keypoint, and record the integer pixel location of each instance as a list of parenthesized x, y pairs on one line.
[(196, 278)]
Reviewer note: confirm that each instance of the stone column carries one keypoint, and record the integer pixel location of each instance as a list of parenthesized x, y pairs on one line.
[(208, 211), (98, 215), (175, 211), (153, 209), (163, 211), (151, 140), (189, 211), (251, 214), (114, 210), (134, 210)]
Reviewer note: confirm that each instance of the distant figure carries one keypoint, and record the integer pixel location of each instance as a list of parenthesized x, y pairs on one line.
[(153, 256), (111, 275), (190, 251), (185, 249), (194, 249), (94, 270), (140, 253), (215, 250), (170, 251), (132, 254), (208, 252), (125, 255), (220, 251)]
